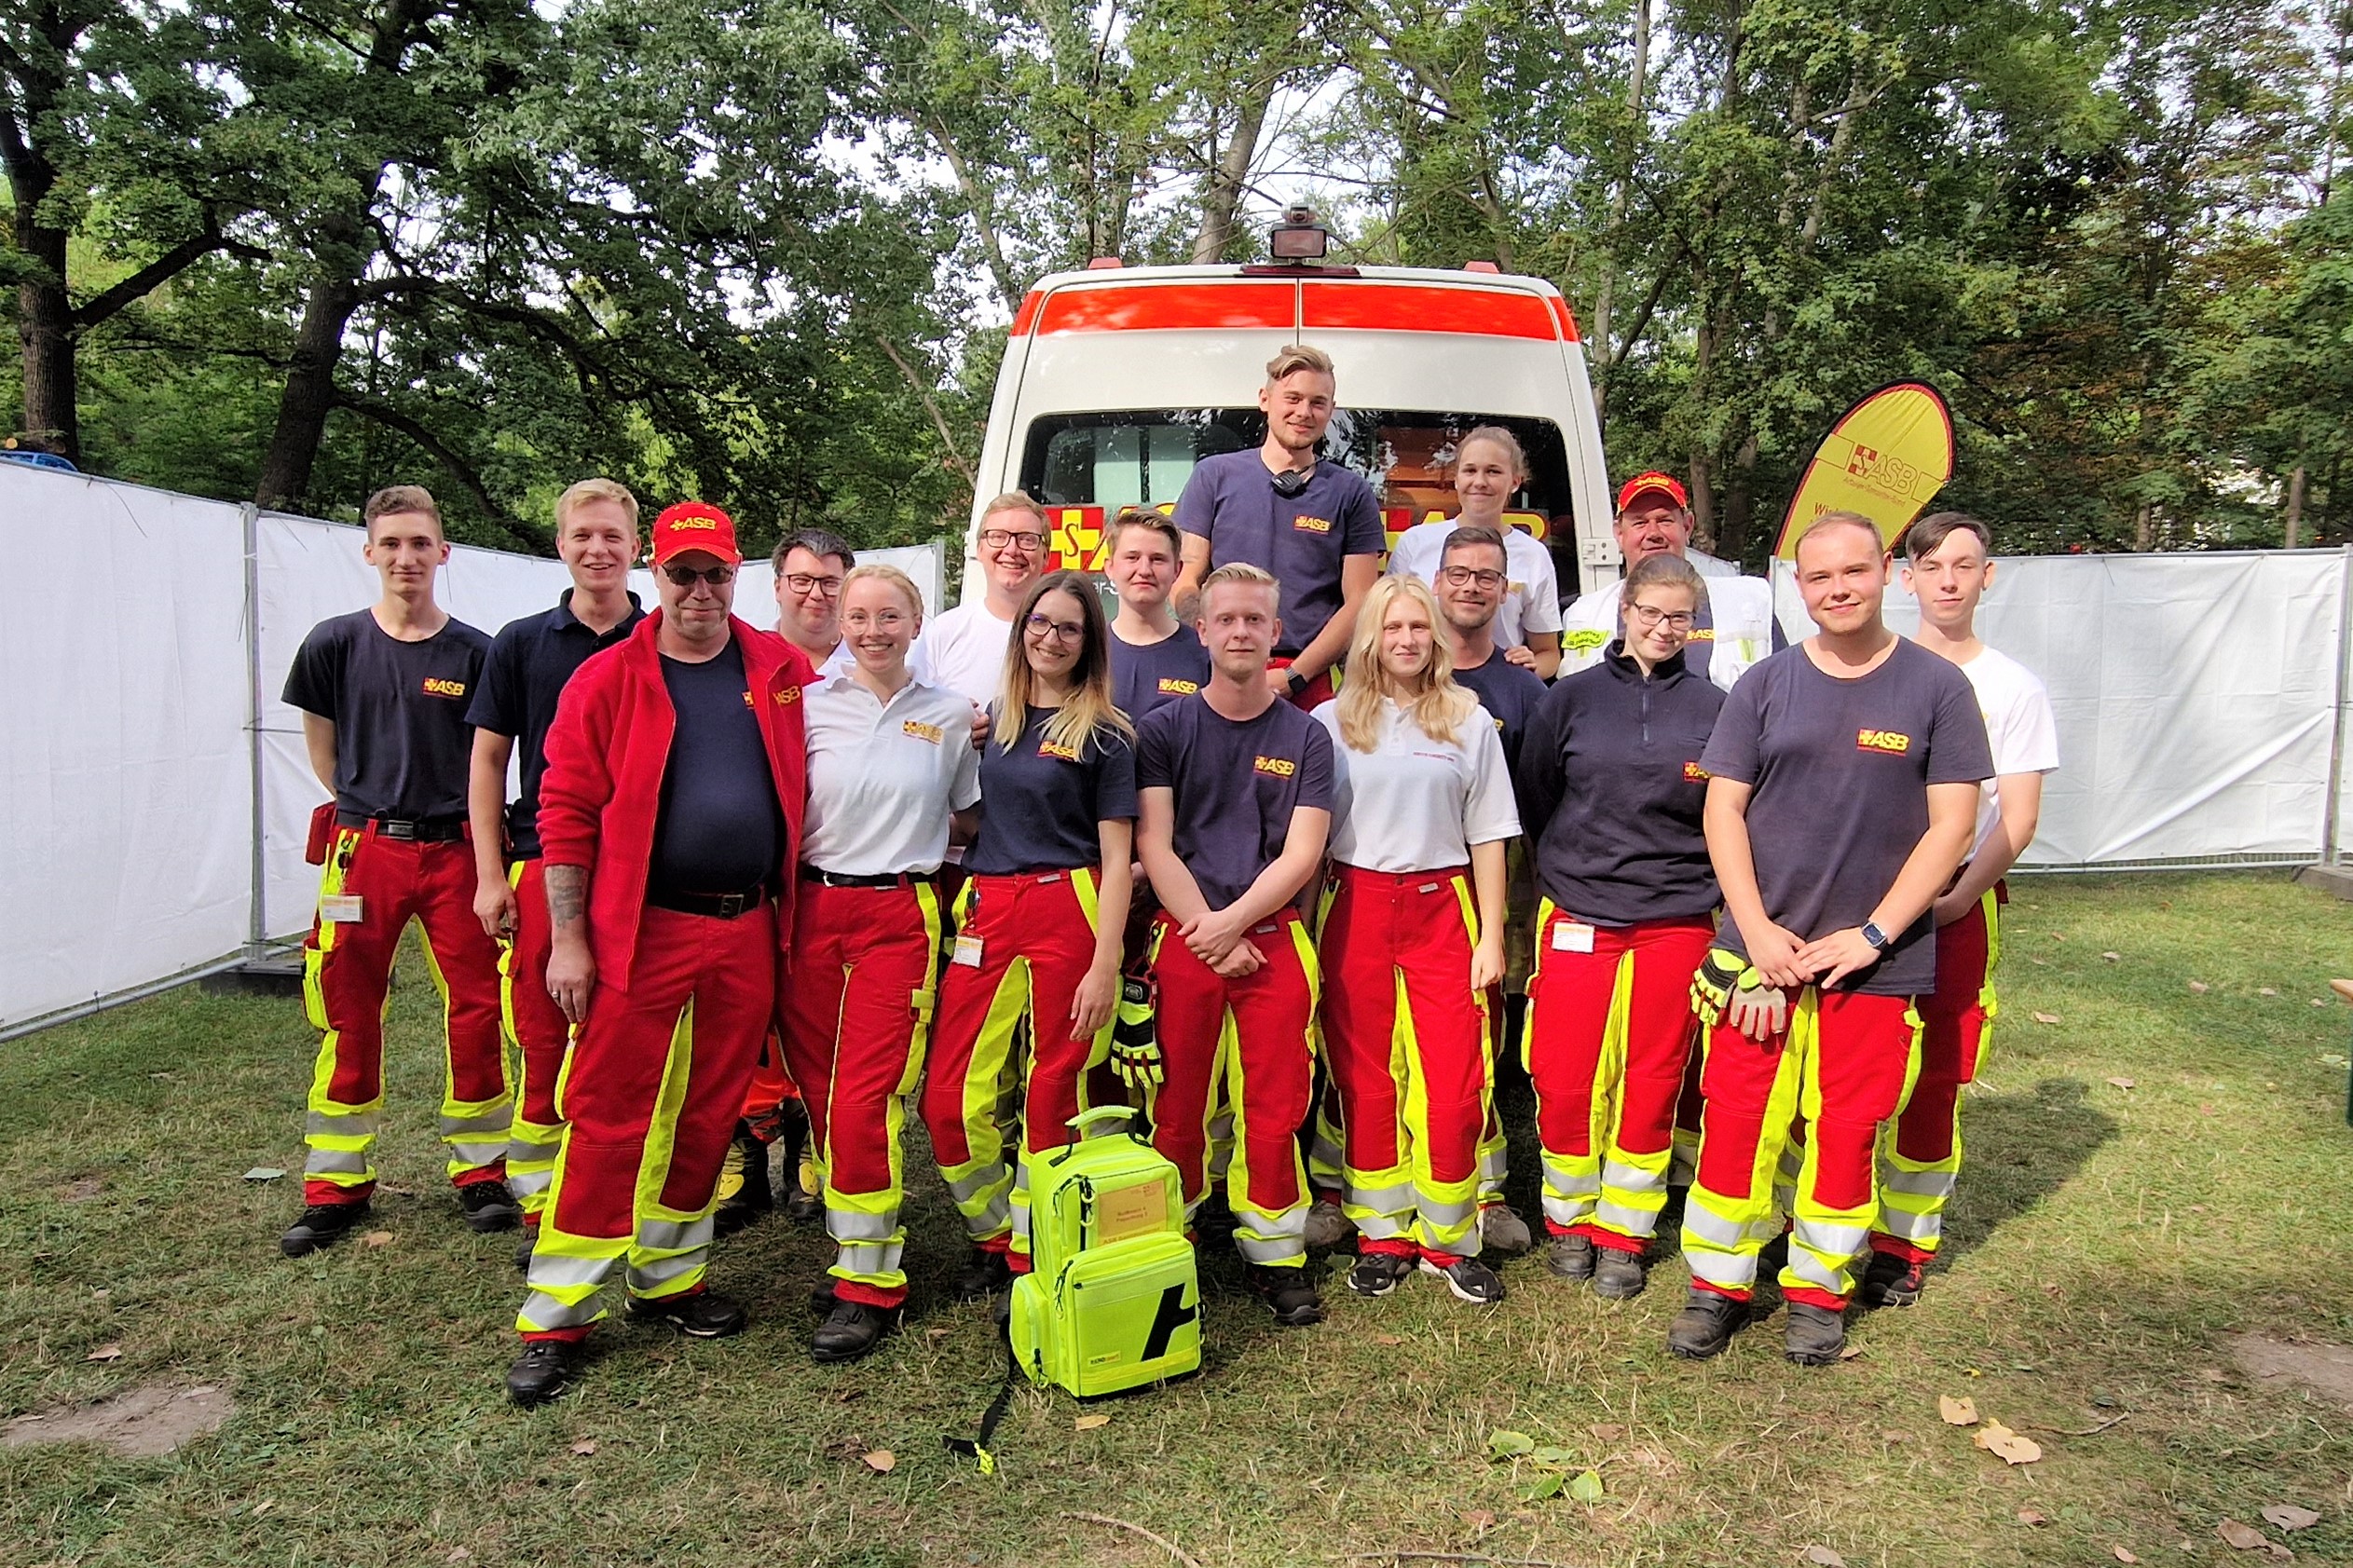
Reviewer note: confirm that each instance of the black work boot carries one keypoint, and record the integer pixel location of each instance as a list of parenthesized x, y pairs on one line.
[(525, 1245), (322, 1224), (1570, 1256), (701, 1315), (984, 1273), (1816, 1335), (489, 1207), (1891, 1281), (850, 1333), (745, 1194), (1618, 1273), (804, 1204), (1704, 1325), (544, 1372), (1288, 1294)]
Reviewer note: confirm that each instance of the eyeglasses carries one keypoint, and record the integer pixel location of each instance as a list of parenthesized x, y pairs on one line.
[(1042, 626), (997, 539), (687, 576), (879, 620), (802, 582), (1460, 577), (1647, 616)]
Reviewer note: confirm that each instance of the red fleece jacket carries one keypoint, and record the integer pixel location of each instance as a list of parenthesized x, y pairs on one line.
[(606, 756)]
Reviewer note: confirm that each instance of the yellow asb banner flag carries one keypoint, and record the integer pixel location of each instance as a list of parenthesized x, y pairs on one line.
[(1885, 458)]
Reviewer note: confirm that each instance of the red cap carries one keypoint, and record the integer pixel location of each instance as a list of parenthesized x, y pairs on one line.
[(1665, 483), (694, 525)]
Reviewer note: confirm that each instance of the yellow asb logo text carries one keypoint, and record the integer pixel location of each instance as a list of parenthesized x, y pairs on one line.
[(1281, 767), (1306, 525), (1171, 687), (436, 686), (1055, 748), (1892, 741), (1696, 773), (678, 524), (923, 731), (789, 694), (1699, 634)]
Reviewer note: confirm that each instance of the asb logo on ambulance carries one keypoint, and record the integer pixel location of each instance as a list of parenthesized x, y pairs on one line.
[(1422, 355)]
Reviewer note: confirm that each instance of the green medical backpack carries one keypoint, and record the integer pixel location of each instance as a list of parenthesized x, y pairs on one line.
[(1112, 1300)]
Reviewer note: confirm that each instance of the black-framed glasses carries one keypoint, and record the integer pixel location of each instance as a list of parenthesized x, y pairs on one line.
[(1649, 616), (687, 576), (1461, 577), (997, 539), (803, 582), (1061, 631)]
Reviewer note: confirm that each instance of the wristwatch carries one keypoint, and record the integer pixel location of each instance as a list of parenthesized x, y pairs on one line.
[(1874, 935), (1296, 681)]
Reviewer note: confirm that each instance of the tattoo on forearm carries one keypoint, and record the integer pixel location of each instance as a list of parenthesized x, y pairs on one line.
[(567, 894)]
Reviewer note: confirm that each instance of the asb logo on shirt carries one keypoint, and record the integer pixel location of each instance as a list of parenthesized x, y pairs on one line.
[(1171, 686), (923, 731), (1699, 634), (1892, 741), (1695, 774), (1306, 525), (1280, 767), (789, 695), (436, 687), (1055, 748)]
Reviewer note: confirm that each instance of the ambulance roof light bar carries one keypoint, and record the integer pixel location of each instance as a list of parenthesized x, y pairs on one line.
[(1301, 236)]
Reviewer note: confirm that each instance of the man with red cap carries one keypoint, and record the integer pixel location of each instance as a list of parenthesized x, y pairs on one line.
[(669, 828), (1736, 627)]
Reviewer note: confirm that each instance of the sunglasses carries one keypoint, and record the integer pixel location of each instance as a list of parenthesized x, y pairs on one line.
[(687, 576)]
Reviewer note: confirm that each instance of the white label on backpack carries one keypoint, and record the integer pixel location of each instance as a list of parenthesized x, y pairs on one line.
[(1132, 1212), (1571, 936)]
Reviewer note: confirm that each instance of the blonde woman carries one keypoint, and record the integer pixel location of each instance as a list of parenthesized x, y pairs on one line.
[(1490, 468), (1039, 922), (1412, 938)]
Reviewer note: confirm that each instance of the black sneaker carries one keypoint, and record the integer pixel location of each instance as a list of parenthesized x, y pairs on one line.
[(745, 1194), (543, 1371), (1570, 1256), (489, 1207), (1470, 1280), (322, 1224), (850, 1333), (984, 1273), (1814, 1335), (701, 1315), (1704, 1325), (1288, 1294), (1891, 1281), (1377, 1274), (525, 1247), (1618, 1274)]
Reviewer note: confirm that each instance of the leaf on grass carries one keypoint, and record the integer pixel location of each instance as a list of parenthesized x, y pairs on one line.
[(2266, 991), (2123, 1556), (2199, 987), (2032, 1519), (2289, 1516), (1850, 1353), (2044, 1018), (263, 1173), (1822, 1556), (2121, 1081), (105, 1352), (377, 1238), (1555, 1458), (1506, 1444), (2007, 1445), (1479, 1519), (1587, 1488), (2246, 1537), (1608, 1432), (1957, 1412), (1549, 1484), (881, 1461), (585, 1447), (1388, 1338), (937, 1333), (1089, 1421), (459, 1554), (2111, 957)]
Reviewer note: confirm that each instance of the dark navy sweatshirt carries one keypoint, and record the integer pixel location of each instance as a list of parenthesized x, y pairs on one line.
[(1611, 793)]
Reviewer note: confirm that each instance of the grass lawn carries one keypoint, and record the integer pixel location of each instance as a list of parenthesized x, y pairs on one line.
[(2106, 1243)]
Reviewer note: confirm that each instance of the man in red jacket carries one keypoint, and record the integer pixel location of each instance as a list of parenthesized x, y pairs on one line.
[(669, 828)]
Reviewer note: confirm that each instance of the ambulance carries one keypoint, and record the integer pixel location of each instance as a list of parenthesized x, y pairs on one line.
[(1118, 379)]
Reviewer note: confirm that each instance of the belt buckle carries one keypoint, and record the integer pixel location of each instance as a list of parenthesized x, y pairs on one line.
[(396, 831), (732, 904)]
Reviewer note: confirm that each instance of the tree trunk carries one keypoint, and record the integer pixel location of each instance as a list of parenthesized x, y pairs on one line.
[(2144, 533), (2296, 505), (1730, 539), (1222, 192), (309, 393), (45, 312), (1605, 356)]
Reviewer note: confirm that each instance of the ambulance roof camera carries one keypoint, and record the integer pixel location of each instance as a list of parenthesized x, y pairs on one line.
[(1301, 236)]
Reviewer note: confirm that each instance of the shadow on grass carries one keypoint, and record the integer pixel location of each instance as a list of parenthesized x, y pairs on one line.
[(2018, 1149)]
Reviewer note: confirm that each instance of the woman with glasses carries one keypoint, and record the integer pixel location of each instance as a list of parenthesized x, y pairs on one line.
[(1410, 939), (1612, 793), (892, 777), (1038, 923), (1489, 470)]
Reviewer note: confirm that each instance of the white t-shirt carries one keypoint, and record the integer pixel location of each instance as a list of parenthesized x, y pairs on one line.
[(1415, 804), (1532, 596), (962, 649), (883, 776), (2017, 721)]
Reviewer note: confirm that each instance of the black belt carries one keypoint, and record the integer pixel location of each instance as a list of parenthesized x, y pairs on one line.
[(423, 830), (717, 906), (887, 880)]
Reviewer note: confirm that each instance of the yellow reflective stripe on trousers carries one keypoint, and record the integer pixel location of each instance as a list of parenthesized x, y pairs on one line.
[(1446, 1213), (1380, 1203), (337, 1138), (982, 1183), (474, 1130), (1824, 1241), (1723, 1232), (869, 1239), (1277, 1240), (671, 1248)]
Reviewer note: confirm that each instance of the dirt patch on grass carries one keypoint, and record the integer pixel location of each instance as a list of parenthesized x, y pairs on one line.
[(2326, 1370), (147, 1421)]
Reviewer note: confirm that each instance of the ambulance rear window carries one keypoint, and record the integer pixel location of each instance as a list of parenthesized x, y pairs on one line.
[(1098, 462)]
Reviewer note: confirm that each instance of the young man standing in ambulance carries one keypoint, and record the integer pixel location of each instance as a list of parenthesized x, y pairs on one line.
[(1947, 567), (514, 703), (1155, 657), (1841, 795), (1314, 526), (1236, 793), (670, 824), (383, 695), (1738, 628)]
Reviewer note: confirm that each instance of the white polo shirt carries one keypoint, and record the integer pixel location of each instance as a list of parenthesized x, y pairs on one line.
[(962, 649), (2018, 722), (1415, 804), (883, 776), (1531, 594)]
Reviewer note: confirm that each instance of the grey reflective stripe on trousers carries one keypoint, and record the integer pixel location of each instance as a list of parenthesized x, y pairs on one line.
[(1717, 1231), (1918, 1184), (673, 1235), (864, 1258), (349, 1123), (1643, 1222), (1920, 1229), (1441, 1214), (998, 1215), (1728, 1271), (334, 1162), (1271, 1239), (1814, 1244)]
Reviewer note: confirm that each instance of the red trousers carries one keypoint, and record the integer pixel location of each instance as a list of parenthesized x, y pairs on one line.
[(1841, 1067), (857, 1010), (542, 1038), (1920, 1164), (1265, 1067), (1405, 1038), (1036, 933), (1608, 1031), (651, 1095), (348, 968)]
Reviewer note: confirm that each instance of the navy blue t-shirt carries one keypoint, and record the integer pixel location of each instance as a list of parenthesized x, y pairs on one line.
[(1143, 675), (1041, 804), (1510, 694), (721, 828), (1840, 771), (1231, 501), (530, 661), (1235, 785), (402, 747)]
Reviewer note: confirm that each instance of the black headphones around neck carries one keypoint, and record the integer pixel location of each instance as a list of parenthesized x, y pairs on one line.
[(1290, 483)]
